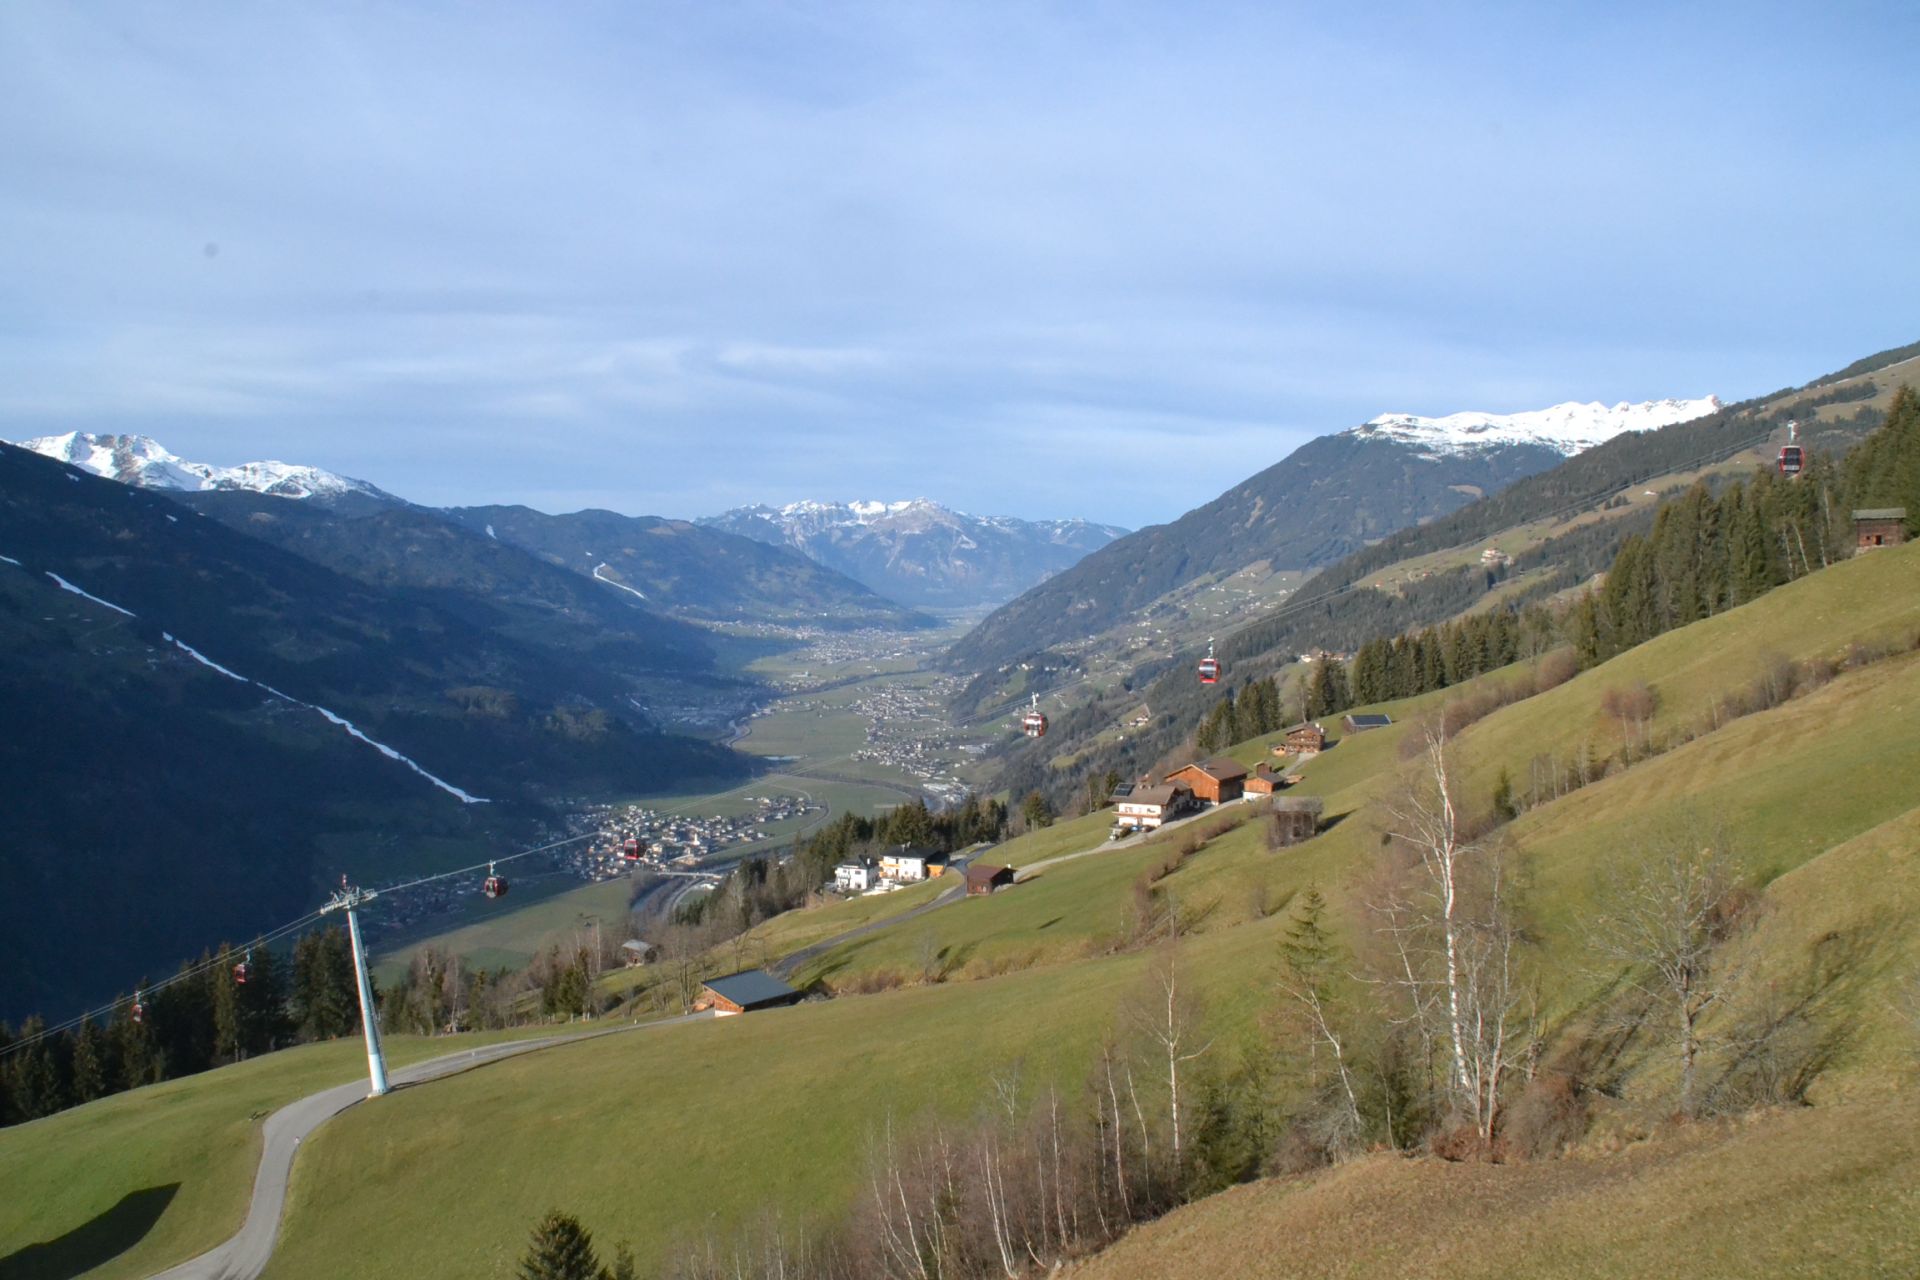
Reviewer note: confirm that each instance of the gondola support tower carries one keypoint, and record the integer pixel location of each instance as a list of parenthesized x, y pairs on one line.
[(350, 899)]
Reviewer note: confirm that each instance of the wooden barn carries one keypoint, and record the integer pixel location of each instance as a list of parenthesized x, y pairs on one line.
[(1295, 819), (1304, 739), (1219, 779), (1264, 781), (1879, 527), (1362, 723), (744, 992), (983, 878)]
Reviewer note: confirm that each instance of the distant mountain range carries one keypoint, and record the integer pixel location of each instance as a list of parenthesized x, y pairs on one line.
[(1327, 499), (920, 552), (671, 567), (690, 570), (143, 461), (1567, 429)]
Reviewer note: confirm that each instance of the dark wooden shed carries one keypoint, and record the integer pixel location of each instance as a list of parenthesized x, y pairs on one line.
[(1295, 819), (984, 878), (1879, 527)]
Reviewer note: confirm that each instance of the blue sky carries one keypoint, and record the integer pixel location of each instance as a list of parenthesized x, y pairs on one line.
[(1034, 259)]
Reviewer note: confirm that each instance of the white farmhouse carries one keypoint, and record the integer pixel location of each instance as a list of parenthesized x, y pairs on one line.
[(853, 877), (1148, 807)]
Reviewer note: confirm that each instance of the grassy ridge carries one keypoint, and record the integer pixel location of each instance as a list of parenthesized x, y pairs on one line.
[(1822, 1192)]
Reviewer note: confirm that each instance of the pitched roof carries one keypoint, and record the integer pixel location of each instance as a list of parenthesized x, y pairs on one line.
[(1219, 768), (1161, 795), (1881, 513), (981, 872), (751, 987), (1370, 721), (1306, 724)]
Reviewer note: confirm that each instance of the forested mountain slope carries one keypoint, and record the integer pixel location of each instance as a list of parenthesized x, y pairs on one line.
[(176, 764)]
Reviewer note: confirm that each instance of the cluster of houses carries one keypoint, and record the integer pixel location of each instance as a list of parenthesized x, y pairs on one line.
[(676, 839), (896, 869), (1221, 780)]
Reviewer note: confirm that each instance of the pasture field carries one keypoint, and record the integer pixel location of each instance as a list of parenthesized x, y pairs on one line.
[(177, 1156)]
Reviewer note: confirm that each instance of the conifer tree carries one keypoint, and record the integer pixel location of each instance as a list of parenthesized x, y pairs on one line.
[(92, 1075), (561, 1249)]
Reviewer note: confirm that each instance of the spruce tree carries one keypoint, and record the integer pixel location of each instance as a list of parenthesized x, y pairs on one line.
[(561, 1249), (91, 1071)]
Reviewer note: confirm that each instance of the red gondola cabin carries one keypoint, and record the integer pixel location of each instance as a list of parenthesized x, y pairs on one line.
[(1034, 722), (1791, 457), (1209, 667)]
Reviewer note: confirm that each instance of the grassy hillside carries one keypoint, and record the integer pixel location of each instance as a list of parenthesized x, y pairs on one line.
[(774, 1112), (181, 1155), (1809, 1193)]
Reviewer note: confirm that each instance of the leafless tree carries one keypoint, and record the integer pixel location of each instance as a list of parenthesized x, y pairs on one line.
[(1450, 926), (1167, 1018), (1663, 927), (1632, 708)]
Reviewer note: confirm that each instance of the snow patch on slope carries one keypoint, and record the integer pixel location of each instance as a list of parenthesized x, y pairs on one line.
[(68, 586), (610, 582), (202, 658), (1567, 429)]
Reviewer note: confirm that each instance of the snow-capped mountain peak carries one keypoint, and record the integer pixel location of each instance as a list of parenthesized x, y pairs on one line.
[(144, 462), (1566, 428), (919, 551)]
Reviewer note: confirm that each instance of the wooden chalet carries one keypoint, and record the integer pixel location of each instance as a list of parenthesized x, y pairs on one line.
[(1219, 779), (1879, 527), (744, 992), (637, 951), (1362, 723), (1304, 739), (983, 878)]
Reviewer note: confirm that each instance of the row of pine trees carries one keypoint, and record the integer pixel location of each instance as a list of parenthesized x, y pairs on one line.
[(203, 1018)]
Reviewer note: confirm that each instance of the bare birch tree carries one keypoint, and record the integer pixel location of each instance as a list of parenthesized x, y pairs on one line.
[(1451, 926), (1168, 1019)]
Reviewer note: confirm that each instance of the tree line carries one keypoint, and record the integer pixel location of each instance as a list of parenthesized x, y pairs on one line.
[(206, 1017)]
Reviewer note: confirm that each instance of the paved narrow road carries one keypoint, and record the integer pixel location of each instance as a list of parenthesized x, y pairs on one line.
[(244, 1256)]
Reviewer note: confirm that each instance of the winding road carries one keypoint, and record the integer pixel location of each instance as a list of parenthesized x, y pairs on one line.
[(244, 1256)]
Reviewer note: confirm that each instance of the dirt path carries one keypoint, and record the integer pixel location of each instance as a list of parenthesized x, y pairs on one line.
[(245, 1255)]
